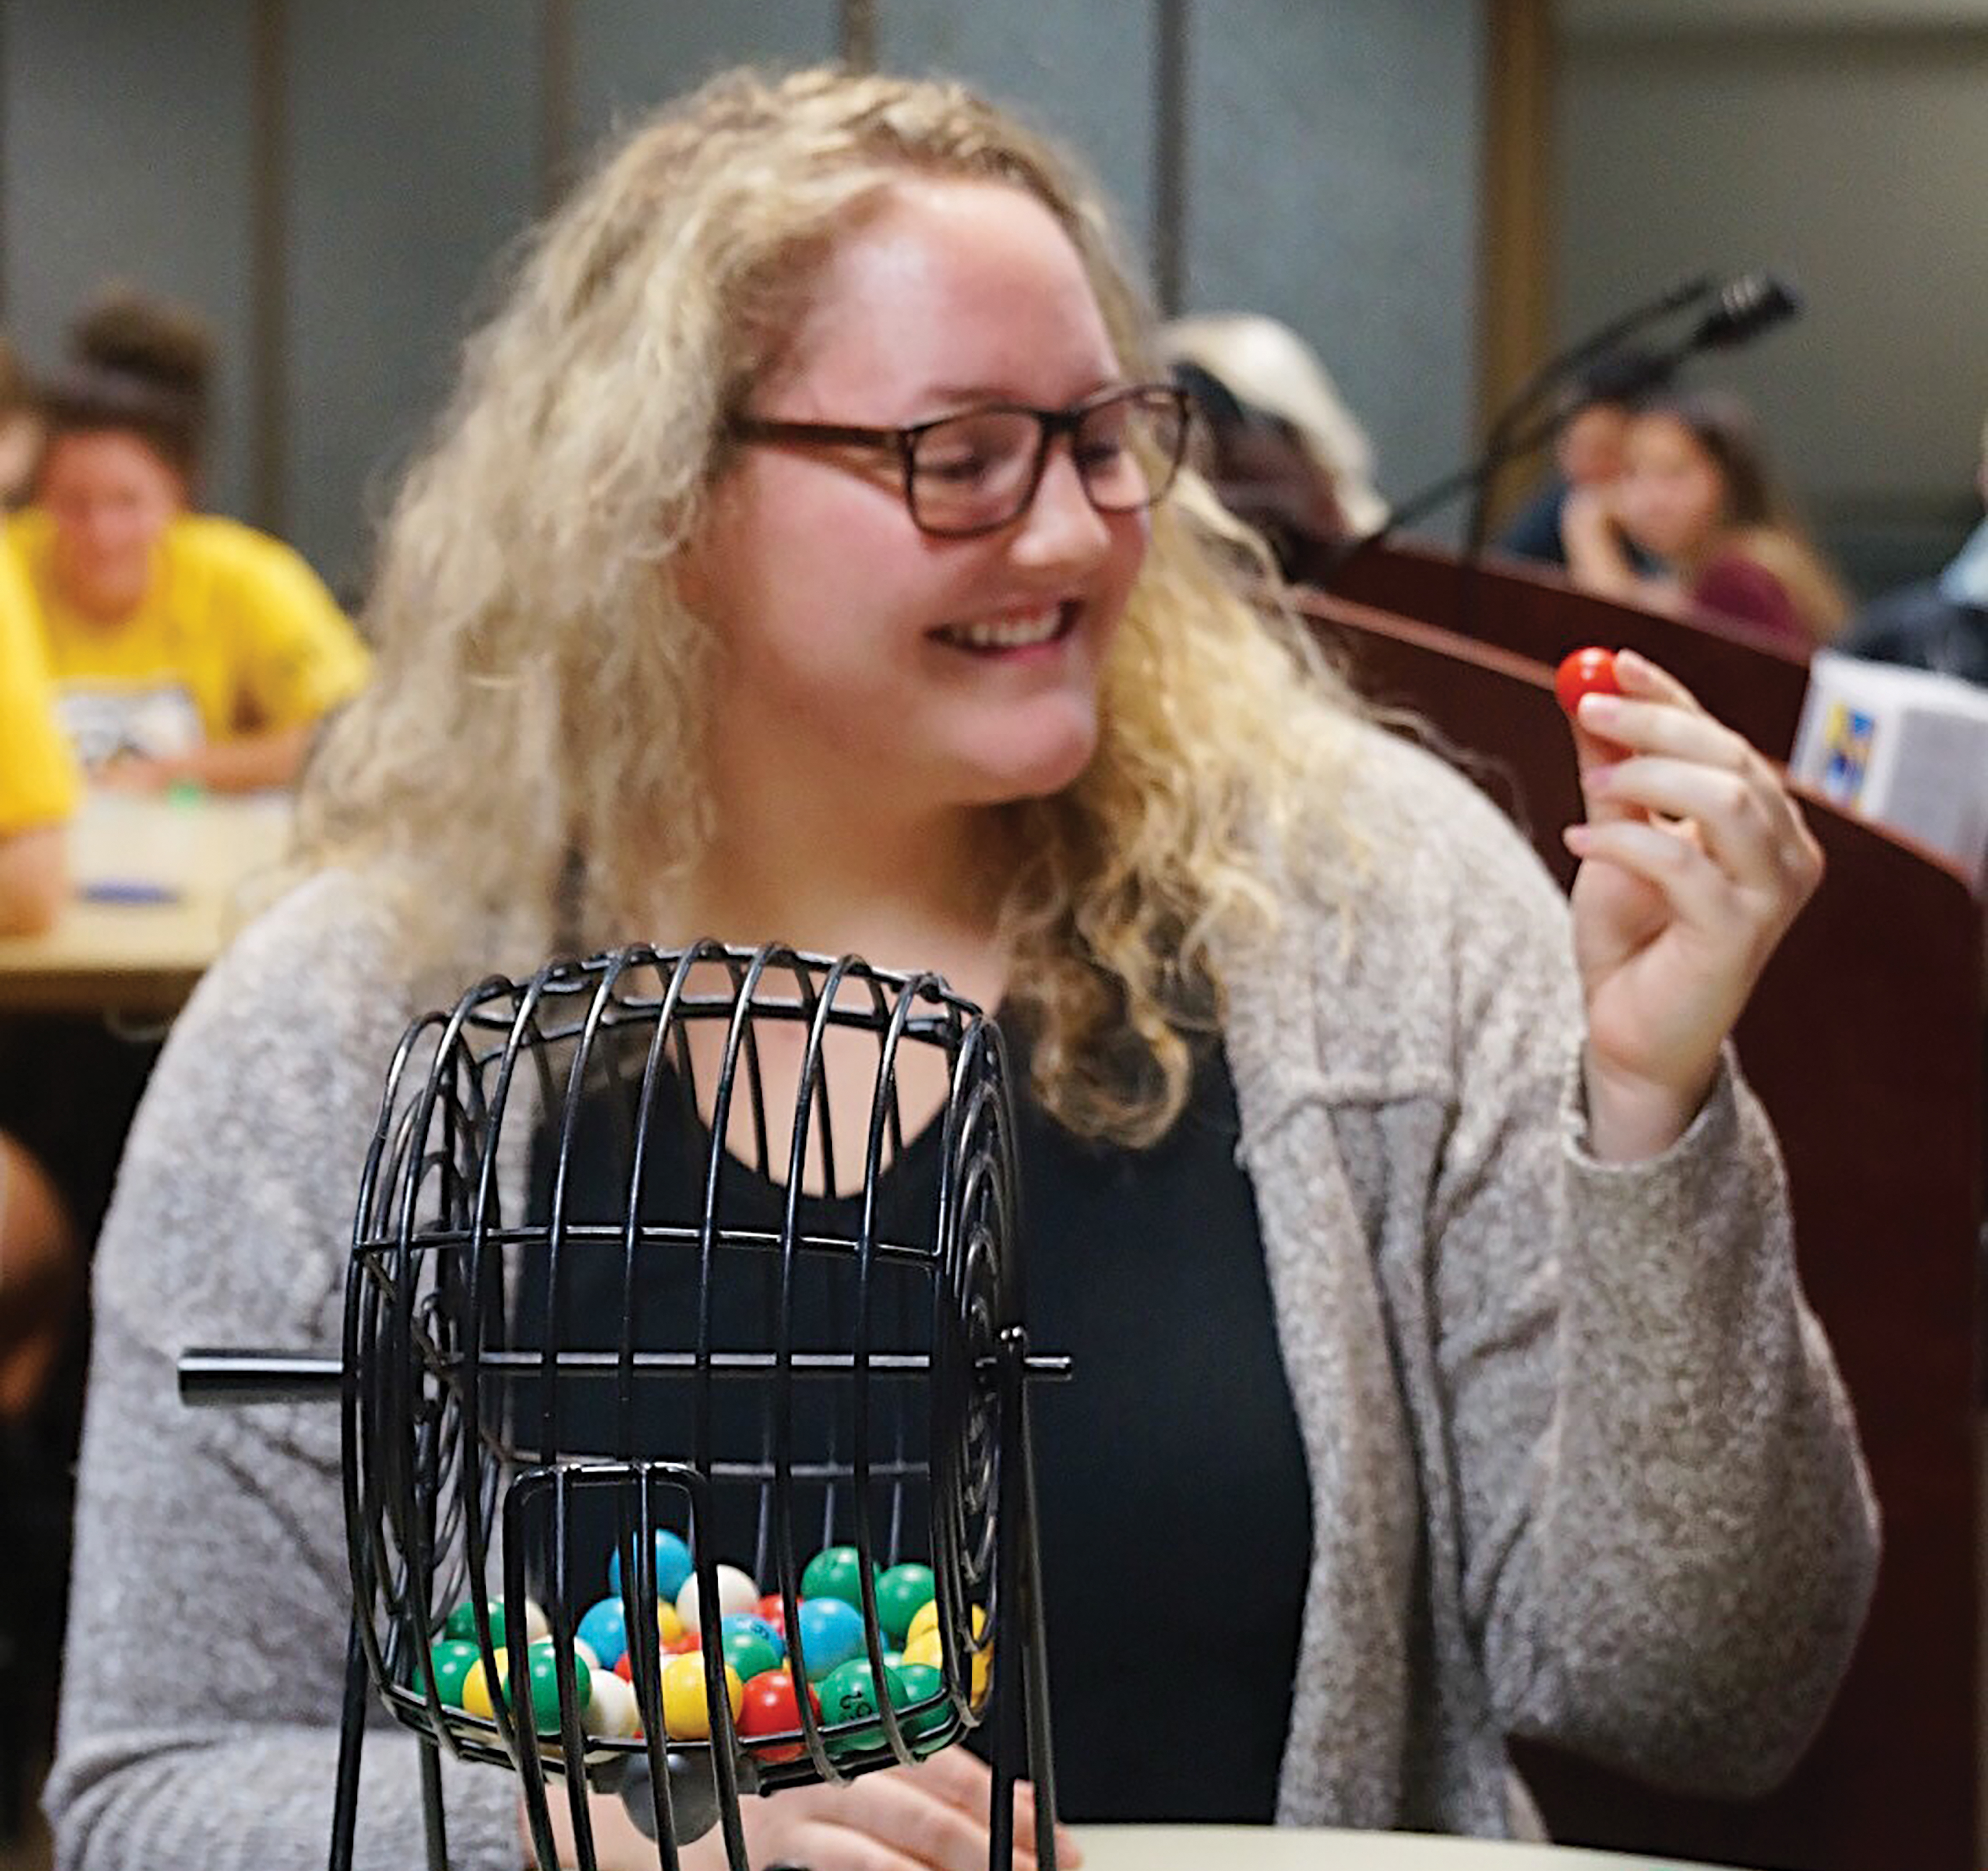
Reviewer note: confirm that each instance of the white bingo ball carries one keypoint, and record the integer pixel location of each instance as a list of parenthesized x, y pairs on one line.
[(613, 1714), (736, 1592), (535, 1626), (585, 1652)]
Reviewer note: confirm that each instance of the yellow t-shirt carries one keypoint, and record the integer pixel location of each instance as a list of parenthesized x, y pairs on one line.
[(235, 635), (38, 778)]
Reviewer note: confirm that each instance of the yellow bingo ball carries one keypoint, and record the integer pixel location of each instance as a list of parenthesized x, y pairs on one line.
[(669, 1627), (476, 1699), (686, 1714), (924, 1646), (925, 1619)]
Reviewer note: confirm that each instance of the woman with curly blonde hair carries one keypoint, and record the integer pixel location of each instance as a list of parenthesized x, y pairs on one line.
[(803, 554)]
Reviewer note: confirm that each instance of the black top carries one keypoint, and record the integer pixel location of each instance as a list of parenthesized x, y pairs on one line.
[(1175, 1516)]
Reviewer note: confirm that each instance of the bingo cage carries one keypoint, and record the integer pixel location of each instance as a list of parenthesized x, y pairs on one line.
[(630, 1297)]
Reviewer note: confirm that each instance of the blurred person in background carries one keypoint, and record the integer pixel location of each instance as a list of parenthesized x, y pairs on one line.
[(1589, 448), (1942, 624), (1283, 452), (184, 646), (20, 428), (1696, 494)]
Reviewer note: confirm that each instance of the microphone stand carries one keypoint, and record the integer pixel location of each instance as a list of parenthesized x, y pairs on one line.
[(1508, 441)]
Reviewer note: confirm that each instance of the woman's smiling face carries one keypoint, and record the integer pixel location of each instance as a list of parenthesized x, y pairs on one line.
[(856, 650)]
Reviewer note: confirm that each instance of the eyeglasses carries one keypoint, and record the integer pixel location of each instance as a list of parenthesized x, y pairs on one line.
[(978, 472)]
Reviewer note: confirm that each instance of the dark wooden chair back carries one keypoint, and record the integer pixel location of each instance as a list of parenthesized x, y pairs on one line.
[(1863, 1041), (1749, 680)]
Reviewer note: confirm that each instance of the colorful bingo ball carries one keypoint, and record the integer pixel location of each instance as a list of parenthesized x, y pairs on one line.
[(1586, 672), (836, 1572), (751, 1624), (927, 1648), (476, 1697), (769, 1708), (613, 1714), (749, 1653), (450, 1660), (901, 1593), (604, 1629), (686, 1713), (462, 1622), (773, 1609), (543, 1660), (673, 1566), (850, 1694), (831, 1632), (736, 1591), (923, 1683), (924, 1619)]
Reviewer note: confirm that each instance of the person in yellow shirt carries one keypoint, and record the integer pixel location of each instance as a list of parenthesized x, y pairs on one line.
[(182, 645), (37, 777), (40, 1271)]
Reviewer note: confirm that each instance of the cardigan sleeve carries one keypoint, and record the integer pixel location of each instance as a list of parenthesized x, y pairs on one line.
[(1668, 1538), (210, 1600)]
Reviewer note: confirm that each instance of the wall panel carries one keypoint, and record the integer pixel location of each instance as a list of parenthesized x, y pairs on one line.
[(414, 161), (1081, 69), (127, 158), (1334, 154)]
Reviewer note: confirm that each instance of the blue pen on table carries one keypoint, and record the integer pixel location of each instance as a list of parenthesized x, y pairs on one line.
[(126, 890)]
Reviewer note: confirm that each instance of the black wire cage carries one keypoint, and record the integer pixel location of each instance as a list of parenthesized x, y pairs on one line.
[(623, 1267)]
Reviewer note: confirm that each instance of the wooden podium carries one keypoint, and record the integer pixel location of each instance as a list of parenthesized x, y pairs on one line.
[(1750, 681), (1864, 1042)]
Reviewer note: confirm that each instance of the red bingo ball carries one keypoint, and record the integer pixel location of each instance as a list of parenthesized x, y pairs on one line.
[(1586, 672), (769, 1709), (773, 1609)]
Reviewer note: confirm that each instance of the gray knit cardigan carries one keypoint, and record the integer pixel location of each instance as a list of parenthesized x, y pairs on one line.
[(1581, 1464)]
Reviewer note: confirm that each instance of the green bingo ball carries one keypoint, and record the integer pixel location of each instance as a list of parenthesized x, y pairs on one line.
[(544, 1659), (462, 1623), (450, 1660), (849, 1693), (836, 1572), (749, 1653), (923, 1683), (901, 1594)]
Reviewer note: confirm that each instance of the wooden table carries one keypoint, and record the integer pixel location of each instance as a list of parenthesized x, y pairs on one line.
[(1256, 1848), (155, 896)]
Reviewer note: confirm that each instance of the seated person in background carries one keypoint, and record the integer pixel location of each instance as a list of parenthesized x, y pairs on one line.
[(1942, 624), (20, 429), (38, 778), (1286, 456), (1695, 494), (1589, 448), (40, 1271), (184, 646)]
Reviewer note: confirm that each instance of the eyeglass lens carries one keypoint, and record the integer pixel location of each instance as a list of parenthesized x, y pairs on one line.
[(978, 471)]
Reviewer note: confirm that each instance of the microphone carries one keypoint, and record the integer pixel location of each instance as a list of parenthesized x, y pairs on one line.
[(1746, 306), (1743, 308)]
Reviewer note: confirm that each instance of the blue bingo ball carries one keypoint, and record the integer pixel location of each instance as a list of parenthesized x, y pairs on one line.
[(604, 1630), (673, 1566), (751, 1624), (831, 1635)]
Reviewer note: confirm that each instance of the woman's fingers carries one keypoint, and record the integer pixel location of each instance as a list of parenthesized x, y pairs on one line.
[(1698, 891), (1745, 821), (963, 1780)]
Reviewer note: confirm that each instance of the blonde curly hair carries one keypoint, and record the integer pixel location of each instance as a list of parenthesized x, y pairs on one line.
[(526, 766)]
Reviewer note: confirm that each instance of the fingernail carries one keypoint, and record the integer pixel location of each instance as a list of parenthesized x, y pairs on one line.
[(1599, 710)]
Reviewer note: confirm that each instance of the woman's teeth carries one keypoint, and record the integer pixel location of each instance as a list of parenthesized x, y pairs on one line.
[(1007, 633)]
